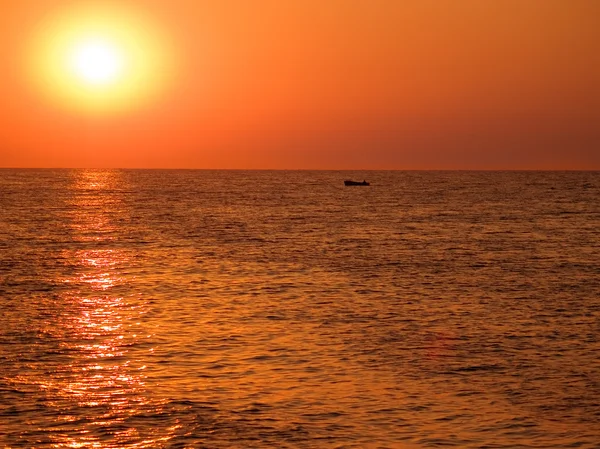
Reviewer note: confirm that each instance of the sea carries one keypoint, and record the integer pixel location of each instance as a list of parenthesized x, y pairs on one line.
[(282, 309)]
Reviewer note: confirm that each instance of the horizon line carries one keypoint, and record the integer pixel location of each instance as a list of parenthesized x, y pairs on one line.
[(313, 169)]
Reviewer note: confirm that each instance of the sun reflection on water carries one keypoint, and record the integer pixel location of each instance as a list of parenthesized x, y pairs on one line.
[(101, 388)]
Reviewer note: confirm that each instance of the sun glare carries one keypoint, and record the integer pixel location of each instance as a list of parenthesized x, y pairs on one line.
[(100, 59), (97, 62)]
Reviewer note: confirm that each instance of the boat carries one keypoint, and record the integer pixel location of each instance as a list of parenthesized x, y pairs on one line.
[(355, 183)]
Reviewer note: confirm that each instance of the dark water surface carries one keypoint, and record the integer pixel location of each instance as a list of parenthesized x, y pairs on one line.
[(232, 309)]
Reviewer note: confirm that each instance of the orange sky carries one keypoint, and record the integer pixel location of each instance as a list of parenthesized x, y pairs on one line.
[(326, 84)]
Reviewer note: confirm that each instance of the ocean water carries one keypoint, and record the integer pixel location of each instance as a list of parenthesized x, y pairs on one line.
[(280, 309)]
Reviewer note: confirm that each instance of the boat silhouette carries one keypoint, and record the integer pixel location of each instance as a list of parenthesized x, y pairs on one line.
[(355, 183)]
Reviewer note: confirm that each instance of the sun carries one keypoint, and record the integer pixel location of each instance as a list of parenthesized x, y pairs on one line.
[(101, 58), (97, 61)]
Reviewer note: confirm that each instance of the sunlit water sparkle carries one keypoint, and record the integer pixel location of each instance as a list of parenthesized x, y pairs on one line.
[(184, 309)]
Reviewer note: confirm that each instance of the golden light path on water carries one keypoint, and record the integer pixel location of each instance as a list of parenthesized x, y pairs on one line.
[(98, 394)]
